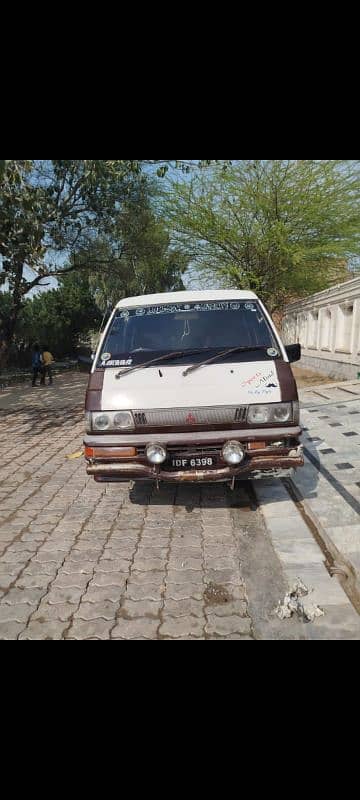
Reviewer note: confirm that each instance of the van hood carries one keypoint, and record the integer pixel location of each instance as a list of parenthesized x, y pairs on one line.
[(212, 385)]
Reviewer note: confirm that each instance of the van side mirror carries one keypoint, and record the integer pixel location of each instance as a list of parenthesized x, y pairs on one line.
[(293, 352)]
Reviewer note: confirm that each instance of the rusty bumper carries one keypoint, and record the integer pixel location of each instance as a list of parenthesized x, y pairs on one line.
[(254, 467)]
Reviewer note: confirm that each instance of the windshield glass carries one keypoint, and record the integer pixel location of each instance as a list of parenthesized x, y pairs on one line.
[(137, 334)]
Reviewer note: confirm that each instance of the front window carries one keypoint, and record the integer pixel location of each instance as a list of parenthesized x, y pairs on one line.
[(137, 334)]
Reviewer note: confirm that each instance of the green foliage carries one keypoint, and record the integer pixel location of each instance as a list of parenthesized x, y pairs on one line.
[(281, 228), (52, 208), (57, 318), (137, 259), (130, 256), (52, 211)]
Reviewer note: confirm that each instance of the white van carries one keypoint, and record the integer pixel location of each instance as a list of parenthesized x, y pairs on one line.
[(192, 386)]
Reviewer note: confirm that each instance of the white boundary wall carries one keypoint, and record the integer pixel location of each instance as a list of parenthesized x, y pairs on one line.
[(327, 325)]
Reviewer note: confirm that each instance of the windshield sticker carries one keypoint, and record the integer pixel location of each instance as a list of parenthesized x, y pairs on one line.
[(251, 380), (105, 356), (265, 379), (264, 391), (117, 363), (272, 352), (150, 311), (259, 383)]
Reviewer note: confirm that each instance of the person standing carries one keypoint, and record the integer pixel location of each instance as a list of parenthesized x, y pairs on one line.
[(36, 364), (47, 361)]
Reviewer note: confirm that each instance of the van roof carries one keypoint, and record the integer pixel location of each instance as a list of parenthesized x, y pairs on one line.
[(186, 297)]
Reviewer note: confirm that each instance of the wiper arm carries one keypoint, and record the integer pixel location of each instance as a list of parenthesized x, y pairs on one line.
[(165, 357), (220, 355)]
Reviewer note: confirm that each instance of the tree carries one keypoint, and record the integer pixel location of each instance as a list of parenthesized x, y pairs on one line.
[(52, 210), (133, 258), (58, 317), (147, 263), (48, 210), (282, 228)]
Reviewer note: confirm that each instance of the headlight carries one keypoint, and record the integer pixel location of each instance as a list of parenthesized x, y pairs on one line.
[(233, 453), (259, 415), (282, 413), (109, 421), (155, 453), (272, 413), (123, 420), (101, 422)]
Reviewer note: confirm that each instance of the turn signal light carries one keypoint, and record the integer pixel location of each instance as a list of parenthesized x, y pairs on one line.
[(110, 452), (256, 445)]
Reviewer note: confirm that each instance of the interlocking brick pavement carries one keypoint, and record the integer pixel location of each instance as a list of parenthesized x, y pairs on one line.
[(80, 560)]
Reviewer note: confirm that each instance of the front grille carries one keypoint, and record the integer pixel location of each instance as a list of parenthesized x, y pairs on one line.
[(194, 452), (209, 415)]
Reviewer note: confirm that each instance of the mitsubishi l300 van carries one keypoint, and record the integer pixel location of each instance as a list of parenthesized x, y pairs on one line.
[(192, 386)]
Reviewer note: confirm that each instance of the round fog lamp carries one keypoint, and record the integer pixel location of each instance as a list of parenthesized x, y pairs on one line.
[(155, 453), (233, 453)]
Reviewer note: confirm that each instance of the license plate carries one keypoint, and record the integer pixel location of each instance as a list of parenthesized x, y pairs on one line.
[(192, 463)]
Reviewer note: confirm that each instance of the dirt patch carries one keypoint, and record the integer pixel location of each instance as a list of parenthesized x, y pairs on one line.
[(304, 378), (216, 595)]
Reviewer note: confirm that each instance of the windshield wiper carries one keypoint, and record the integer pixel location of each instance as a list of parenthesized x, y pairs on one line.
[(220, 355), (165, 357)]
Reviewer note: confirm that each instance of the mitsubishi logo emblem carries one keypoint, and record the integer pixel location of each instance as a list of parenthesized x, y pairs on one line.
[(190, 419)]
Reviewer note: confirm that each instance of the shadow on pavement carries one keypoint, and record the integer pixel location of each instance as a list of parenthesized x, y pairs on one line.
[(193, 496), (44, 408)]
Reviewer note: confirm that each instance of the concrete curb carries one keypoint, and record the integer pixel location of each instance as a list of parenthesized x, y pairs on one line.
[(301, 557)]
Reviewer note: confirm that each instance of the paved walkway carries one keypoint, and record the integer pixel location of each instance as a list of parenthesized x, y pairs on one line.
[(330, 481), (329, 490), (80, 560)]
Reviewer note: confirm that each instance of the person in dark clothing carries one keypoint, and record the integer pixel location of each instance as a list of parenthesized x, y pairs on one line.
[(36, 363)]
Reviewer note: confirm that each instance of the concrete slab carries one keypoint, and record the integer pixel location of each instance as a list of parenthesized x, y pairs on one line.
[(325, 591)]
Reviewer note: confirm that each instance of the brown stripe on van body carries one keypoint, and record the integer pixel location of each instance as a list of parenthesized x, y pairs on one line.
[(94, 391), (287, 382)]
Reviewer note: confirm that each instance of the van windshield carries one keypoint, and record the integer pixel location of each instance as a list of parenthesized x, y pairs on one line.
[(136, 334)]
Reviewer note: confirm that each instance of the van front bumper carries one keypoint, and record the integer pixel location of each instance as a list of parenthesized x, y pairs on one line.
[(271, 460)]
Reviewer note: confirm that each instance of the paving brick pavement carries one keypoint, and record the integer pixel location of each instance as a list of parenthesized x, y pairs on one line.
[(80, 560)]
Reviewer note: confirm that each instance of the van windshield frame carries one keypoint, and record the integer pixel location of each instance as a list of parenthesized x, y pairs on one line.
[(138, 334)]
